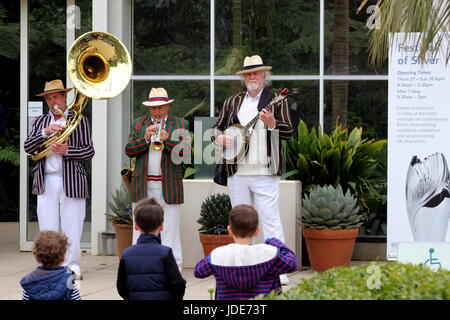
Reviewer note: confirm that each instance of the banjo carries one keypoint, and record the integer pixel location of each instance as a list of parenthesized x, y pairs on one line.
[(241, 134)]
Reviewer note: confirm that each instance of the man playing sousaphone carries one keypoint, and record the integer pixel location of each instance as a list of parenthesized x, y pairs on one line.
[(255, 179), (153, 140), (60, 179)]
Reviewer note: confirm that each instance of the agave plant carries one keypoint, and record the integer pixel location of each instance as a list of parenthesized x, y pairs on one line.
[(121, 207), (214, 214), (328, 208)]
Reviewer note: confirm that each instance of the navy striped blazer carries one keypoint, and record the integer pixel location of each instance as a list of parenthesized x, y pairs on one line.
[(80, 149)]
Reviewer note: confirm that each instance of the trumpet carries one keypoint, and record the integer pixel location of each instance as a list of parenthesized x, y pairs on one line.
[(156, 143)]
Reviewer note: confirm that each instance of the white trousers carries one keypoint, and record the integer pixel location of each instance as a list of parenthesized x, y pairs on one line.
[(170, 236), (57, 212), (262, 192)]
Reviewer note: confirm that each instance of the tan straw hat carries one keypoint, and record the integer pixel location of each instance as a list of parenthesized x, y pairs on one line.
[(52, 87), (157, 97), (252, 64)]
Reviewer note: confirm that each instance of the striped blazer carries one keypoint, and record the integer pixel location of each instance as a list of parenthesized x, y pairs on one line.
[(283, 128), (236, 279), (80, 148), (179, 141)]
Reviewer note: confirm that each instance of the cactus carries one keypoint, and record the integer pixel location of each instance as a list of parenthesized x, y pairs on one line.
[(214, 214), (328, 208)]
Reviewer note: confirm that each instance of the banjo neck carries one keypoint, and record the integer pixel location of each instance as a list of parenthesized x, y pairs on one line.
[(277, 99)]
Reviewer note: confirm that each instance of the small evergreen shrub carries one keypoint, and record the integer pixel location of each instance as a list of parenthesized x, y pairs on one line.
[(373, 281)]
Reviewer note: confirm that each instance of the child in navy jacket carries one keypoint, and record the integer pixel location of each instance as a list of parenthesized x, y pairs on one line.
[(148, 270), (243, 270), (51, 280)]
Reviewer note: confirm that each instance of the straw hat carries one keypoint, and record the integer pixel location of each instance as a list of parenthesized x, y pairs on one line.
[(252, 64), (157, 97), (52, 87)]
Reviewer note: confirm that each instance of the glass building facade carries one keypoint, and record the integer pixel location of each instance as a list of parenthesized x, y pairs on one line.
[(317, 48)]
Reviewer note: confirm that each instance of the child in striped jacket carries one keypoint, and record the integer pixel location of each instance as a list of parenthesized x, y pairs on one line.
[(244, 270)]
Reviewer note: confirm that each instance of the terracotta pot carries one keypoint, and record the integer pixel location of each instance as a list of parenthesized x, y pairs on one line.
[(124, 236), (212, 241), (329, 248)]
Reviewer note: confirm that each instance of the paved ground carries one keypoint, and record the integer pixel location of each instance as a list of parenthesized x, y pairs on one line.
[(99, 272)]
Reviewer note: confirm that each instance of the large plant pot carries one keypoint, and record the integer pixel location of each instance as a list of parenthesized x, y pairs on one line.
[(330, 248), (124, 236), (212, 241)]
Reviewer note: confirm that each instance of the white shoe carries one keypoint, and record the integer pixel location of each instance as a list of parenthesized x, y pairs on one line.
[(284, 280), (76, 269)]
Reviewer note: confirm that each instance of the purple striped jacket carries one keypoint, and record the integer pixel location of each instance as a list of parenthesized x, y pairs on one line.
[(249, 281), (80, 149)]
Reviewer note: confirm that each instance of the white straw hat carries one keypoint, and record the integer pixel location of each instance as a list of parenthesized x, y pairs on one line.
[(157, 97), (252, 64)]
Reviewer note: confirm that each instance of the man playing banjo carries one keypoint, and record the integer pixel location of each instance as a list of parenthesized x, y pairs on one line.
[(254, 177)]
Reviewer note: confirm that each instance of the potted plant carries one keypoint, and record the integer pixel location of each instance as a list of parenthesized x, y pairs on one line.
[(121, 218), (214, 221), (330, 226)]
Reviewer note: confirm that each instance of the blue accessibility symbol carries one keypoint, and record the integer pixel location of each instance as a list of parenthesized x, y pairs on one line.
[(432, 261)]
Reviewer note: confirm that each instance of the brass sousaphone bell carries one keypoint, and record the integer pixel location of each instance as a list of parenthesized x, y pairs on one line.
[(99, 66)]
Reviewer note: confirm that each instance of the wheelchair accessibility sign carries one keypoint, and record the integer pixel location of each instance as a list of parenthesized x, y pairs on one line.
[(434, 255)]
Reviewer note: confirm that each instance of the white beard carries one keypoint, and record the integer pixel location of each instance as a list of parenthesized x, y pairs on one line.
[(253, 86)]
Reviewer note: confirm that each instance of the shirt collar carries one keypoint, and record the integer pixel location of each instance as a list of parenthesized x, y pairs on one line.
[(258, 96), (164, 120), (66, 113)]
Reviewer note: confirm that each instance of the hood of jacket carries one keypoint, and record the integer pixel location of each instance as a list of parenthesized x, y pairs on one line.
[(48, 284), (243, 266)]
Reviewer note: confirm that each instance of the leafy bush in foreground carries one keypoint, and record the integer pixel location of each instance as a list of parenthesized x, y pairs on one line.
[(373, 281)]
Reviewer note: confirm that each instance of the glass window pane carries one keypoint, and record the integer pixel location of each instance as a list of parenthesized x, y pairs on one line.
[(347, 52), (47, 45), (366, 107), (171, 37), (284, 34)]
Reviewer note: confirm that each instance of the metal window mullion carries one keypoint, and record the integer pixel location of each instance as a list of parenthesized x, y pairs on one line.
[(321, 63), (212, 57)]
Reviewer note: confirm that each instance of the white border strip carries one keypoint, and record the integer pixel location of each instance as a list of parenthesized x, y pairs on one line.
[(25, 245), (272, 77), (321, 62)]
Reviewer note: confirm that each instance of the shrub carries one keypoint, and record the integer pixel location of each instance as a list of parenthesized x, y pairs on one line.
[(397, 281), (341, 158)]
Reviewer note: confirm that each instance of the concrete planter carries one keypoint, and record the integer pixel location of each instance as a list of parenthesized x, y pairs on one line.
[(372, 248)]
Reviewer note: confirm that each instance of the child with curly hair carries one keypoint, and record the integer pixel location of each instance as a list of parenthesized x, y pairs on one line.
[(51, 280)]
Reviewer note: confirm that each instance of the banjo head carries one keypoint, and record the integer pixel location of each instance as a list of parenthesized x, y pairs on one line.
[(237, 150)]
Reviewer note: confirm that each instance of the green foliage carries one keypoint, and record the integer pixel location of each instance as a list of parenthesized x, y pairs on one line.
[(121, 207), (373, 281), (9, 154), (341, 158), (328, 208), (214, 214)]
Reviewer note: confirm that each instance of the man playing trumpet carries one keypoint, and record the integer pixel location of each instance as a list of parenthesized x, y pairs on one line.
[(153, 140)]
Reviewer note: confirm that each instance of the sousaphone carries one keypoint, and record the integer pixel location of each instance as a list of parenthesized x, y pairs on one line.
[(99, 66)]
